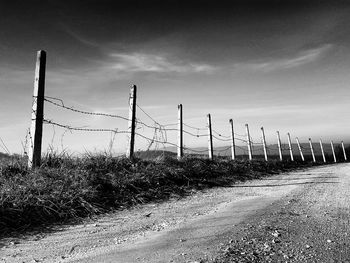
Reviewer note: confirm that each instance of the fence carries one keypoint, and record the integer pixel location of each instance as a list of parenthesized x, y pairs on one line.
[(160, 130)]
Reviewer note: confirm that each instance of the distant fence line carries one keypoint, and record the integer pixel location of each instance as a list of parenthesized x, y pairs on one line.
[(160, 130)]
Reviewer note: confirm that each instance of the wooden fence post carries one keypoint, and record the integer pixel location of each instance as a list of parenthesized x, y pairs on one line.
[(180, 151), (264, 142), (249, 143), (279, 146), (300, 150), (322, 151), (334, 157), (210, 138), (342, 145), (312, 150), (290, 147), (233, 149), (132, 122), (36, 130)]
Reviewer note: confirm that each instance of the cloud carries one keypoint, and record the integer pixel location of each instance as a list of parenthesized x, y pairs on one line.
[(141, 62), (301, 58), (78, 37)]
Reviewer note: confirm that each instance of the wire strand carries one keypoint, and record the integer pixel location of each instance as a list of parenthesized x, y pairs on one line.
[(220, 135), (195, 128), (83, 129), (86, 112)]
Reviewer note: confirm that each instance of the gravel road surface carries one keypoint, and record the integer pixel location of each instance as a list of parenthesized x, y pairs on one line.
[(293, 217)]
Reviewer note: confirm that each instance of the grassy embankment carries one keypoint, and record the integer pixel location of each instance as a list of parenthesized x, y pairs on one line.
[(71, 188)]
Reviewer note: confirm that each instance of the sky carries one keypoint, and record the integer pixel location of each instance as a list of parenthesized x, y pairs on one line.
[(283, 65)]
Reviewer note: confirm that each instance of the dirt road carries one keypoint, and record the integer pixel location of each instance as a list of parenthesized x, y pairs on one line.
[(252, 221), (309, 225)]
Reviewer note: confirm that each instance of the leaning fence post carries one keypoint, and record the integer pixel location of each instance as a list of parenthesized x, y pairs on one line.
[(300, 150), (249, 143), (36, 130), (180, 151), (290, 147), (334, 157), (233, 150), (132, 122), (279, 145), (342, 145), (264, 142), (322, 151), (210, 138), (312, 150)]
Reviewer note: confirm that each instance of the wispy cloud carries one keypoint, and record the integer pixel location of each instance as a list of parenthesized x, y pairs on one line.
[(141, 62), (301, 58), (78, 37)]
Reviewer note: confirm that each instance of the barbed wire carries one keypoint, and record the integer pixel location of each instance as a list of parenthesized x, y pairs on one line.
[(160, 131), (156, 140), (195, 135), (99, 113), (53, 98), (170, 124), (158, 128), (83, 129), (241, 140), (84, 112), (149, 116), (219, 139), (195, 128), (240, 135), (138, 121), (220, 135)]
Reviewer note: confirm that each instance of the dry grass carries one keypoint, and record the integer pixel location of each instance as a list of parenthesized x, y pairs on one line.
[(69, 188)]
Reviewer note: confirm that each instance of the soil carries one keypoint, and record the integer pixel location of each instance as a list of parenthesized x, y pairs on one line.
[(294, 217)]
